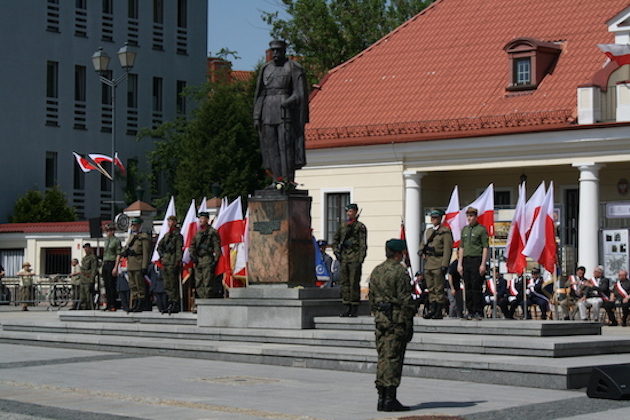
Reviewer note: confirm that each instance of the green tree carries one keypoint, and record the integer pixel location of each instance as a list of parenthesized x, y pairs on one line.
[(325, 33), (217, 145), (34, 207)]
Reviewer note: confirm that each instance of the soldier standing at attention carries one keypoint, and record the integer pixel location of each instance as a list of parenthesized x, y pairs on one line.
[(473, 254), (137, 251), (393, 309), (111, 253), (89, 268), (350, 247), (437, 249), (205, 250), (170, 251)]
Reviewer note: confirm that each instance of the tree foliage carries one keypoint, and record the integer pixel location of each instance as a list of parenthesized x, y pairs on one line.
[(217, 145), (34, 207), (325, 33)]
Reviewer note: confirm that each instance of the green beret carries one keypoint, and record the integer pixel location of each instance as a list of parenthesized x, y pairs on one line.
[(204, 214), (437, 213), (396, 245), (136, 221), (352, 206)]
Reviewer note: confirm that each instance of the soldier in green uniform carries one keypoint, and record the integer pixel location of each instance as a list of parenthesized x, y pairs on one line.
[(393, 309), (111, 257), (205, 251), (137, 251), (350, 247), (472, 257), (170, 250), (437, 250), (89, 268)]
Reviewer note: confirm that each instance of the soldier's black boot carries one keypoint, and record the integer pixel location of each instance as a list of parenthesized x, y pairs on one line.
[(381, 398), (133, 306), (624, 317), (353, 311), (438, 311), (139, 305), (431, 312), (347, 312), (173, 308), (391, 403)]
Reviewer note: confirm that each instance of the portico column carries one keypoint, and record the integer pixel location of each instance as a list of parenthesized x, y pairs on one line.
[(588, 222), (413, 215)]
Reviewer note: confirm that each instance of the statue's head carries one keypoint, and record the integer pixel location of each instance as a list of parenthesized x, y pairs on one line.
[(278, 51)]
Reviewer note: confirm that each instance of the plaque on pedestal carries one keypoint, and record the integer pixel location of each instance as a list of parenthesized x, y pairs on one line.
[(280, 243)]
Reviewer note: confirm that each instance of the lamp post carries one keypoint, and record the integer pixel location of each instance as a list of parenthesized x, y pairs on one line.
[(100, 61)]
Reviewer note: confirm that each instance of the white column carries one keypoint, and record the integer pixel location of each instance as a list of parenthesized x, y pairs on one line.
[(588, 222), (413, 215)]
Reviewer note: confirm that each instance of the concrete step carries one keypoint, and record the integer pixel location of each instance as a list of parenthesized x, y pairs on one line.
[(562, 346), (539, 372), (154, 317), (528, 328)]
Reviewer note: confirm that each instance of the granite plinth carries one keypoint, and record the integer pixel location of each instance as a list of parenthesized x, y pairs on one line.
[(280, 244)]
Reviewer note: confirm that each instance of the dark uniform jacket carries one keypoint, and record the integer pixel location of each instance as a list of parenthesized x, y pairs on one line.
[(438, 250), (600, 289), (170, 248), (89, 268), (137, 249), (390, 286), (350, 242), (206, 246)]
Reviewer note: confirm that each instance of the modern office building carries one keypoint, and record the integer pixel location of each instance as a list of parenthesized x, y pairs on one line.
[(54, 104)]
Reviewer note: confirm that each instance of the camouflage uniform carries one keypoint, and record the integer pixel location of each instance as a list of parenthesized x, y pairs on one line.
[(350, 247), (205, 251), (437, 249), (170, 250), (89, 268), (137, 250)]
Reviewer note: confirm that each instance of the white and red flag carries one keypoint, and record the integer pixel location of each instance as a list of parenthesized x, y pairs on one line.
[(454, 219), (189, 229), (240, 267), (231, 226), (99, 158), (170, 211), (516, 240), (619, 53), (485, 209), (541, 243), (84, 164), (532, 207), (119, 163), (203, 206)]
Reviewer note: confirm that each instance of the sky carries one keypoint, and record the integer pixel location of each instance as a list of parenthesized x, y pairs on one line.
[(236, 25)]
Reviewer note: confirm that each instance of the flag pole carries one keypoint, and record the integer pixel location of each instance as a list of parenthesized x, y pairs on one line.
[(494, 281), (181, 291)]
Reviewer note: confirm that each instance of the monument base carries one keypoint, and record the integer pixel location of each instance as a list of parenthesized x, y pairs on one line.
[(271, 306)]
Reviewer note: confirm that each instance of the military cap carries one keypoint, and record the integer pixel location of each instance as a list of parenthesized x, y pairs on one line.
[(136, 221), (437, 213), (581, 268), (535, 270), (204, 214), (352, 206), (322, 242), (173, 218), (87, 245), (396, 245), (277, 43), (471, 210), (110, 226)]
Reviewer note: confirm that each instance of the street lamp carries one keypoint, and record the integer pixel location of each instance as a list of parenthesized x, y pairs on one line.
[(100, 61)]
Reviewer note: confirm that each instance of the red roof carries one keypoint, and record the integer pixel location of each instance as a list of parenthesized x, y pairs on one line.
[(444, 73), (48, 227), (242, 75)]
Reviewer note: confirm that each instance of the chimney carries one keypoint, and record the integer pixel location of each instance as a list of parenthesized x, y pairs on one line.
[(588, 104), (268, 55), (219, 70)]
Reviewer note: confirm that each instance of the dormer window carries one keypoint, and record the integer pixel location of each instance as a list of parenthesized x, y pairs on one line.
[(530, 61)]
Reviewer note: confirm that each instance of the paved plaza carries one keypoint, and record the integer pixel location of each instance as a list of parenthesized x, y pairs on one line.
[(58, 383)]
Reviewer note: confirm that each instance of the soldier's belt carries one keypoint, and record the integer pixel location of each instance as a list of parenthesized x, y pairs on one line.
[(276, 91)]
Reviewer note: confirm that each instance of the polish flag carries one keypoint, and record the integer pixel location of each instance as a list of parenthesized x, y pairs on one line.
[(119, 163), (99, 158), (224, 204), (516, 240), (189, 229), (231, 227), (170, 211), (203, 206), (454, 218), (485, 209), (541, 243), (83, 163), (240, 267), (619, 53), (532, 207)]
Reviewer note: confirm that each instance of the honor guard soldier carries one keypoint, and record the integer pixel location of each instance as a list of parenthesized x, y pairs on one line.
[(472, 257), (89, 268), (205, 251), (137, 251), (170, 250), (350, 247), (393, 308), (437, 250), (111, 252)]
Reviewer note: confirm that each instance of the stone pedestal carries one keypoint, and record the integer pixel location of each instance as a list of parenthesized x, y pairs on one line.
[(280, 244)]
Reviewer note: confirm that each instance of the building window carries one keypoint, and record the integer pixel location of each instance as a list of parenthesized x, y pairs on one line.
[(106, 90), (132, 9), (79, 83), (108, 6), (530, 61), (52, 79), (182, 10), (335, 212), (79, 177), (181, 97), (81, 4), (158, 11), (502, 198), (51, 169), (522, 71), (157, 94), (132, 90)]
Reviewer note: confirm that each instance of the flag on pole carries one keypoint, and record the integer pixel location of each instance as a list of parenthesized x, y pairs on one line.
[(170, 211), (224, 204), (532, 207), (98, 159), (189, 229), (516, 261), (485, 209), (619, 53), (231, 226), (454, 218), (240, 267), (84, 164), (203, 206), (119, 163), (541, 244)]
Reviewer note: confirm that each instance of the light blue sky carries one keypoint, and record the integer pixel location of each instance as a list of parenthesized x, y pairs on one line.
[(237, 26)]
